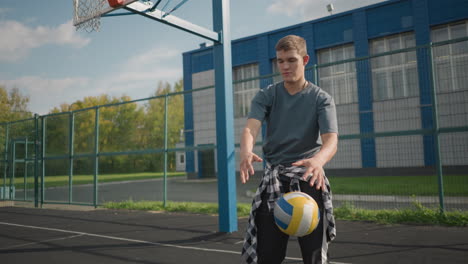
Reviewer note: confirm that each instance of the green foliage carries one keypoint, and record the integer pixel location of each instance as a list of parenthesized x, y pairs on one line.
[(124, 125), (13, 105)]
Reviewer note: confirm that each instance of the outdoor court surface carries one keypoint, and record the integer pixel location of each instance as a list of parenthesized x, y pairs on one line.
[(85, 235)]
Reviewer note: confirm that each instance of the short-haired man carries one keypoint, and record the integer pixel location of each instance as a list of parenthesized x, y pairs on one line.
[(301, 137)]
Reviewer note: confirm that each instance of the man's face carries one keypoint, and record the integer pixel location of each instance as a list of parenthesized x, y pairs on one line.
[(291, 65)]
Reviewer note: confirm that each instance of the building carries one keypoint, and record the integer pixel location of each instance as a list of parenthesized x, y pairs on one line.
[(385, 94)]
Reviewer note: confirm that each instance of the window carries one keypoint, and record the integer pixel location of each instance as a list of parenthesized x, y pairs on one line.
[(244, 91), (339, 79), (451, 60), (394, 76)]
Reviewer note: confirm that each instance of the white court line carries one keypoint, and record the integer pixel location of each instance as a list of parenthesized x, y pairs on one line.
[(138, 241), (40, 242)]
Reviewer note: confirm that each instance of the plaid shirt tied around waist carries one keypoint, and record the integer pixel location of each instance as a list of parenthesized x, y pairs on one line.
[(272, 185)]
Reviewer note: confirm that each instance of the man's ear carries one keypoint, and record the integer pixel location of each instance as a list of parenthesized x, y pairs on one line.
[(306, 59)]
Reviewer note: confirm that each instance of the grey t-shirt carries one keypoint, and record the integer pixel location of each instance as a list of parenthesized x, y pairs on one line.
[(293, 122)]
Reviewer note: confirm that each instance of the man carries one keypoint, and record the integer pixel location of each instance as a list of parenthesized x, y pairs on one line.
[(301, 137)]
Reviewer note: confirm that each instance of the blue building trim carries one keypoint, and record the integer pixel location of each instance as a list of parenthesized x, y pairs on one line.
[(264, 62), (202, 60), (244, 52), (389, 19), (446, 11), (188, 115), (364, 81), (422, 35), (332, 32)]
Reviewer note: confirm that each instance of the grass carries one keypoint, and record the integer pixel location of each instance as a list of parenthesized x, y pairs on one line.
[(418, 215), (56, 181), (243, 209), (454, 185)]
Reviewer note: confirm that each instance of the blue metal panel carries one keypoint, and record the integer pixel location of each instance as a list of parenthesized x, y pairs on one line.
[(333, 32), (446, 11), (244, 52), (422, 34), (389, 19), (188, 113), (366, 117), (202, 61), (308, 35), (224, 119), (264, 62), (277, 35)]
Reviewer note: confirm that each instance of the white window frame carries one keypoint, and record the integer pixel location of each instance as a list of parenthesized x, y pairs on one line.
[(386, 66), (244, 91), (340, 79), (448, 55)]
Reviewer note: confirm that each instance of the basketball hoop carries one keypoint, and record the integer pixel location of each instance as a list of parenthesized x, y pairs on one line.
[(88, 12)]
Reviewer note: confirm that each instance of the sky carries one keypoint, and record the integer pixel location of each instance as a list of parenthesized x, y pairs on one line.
[(43, 55)]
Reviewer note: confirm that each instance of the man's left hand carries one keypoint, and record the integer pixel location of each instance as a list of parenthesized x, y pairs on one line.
[(314, 168)]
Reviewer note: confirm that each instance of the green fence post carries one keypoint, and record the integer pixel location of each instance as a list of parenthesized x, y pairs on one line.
[(43, 144), (165, 152), (36, 163), (316, 80), (25, 178), (435, 117), (12, 169), (70, 150), (96, 157), (5, 171)]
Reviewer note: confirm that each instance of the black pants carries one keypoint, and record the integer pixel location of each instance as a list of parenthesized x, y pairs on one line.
[(272, 242)]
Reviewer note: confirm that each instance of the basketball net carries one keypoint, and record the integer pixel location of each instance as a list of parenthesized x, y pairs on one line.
[(88, 11)]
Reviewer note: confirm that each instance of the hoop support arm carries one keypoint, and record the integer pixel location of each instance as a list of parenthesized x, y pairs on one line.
[(158, 15)]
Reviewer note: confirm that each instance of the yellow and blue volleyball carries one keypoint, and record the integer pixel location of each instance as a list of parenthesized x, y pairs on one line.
[(296, 214)]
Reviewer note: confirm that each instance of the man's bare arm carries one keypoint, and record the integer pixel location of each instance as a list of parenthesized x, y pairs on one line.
[(249, 134)]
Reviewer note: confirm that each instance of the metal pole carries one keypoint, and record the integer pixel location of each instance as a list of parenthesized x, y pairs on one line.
[(96, 156), (36, 163), (316, 76), (5, 170), (70, 165), (435, 117), (25, 169), (13, 165), (43, 160), (224, 118), (165, 152)]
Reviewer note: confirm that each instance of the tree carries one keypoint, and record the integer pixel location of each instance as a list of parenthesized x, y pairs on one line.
[(154, 121), (13, 105)]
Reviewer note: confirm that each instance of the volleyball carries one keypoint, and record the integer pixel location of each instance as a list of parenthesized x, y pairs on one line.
[(296, 214)]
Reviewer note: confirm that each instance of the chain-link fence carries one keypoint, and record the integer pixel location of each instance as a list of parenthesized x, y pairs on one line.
[(402, 115)]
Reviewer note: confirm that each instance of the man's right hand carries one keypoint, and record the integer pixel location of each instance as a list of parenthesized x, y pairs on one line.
[(246, 167)]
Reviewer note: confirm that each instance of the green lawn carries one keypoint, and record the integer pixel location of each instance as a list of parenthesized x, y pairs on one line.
[(454, 185)]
